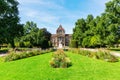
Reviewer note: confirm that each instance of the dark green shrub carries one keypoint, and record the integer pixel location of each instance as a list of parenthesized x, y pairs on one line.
[(60, 60), (50, 43), (65, 49), (28, 44), (73, 44), (21, 44), (9, 45), (16, 44)]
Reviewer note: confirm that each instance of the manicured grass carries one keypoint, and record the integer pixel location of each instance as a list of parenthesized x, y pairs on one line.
[(38, 68)]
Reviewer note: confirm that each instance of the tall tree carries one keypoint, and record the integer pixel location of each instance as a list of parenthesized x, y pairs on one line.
[(113, 14), (9, 21), (30, 27), (37, 37), (30, 30), (78, 31), (43, 38), (89, 32), (100, 31)]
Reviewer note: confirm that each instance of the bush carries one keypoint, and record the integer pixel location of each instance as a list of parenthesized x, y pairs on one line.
[(16, 44), (82, 52), (85, 52), (105, 55), (15, 56), (10, 57), (28, 44), (60, 60), (65, 49), (74, 44), (21, 44), (9, 45), (102, 55)]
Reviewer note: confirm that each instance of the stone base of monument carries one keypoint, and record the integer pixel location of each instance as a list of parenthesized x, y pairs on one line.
[(60, 46)]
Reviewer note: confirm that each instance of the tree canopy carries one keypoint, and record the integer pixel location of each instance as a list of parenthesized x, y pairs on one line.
[(101, 31), (35, 36), (9, 21)]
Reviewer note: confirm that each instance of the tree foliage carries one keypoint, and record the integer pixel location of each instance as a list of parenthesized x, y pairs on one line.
[(35, 36), (101, 31), (9, 21)]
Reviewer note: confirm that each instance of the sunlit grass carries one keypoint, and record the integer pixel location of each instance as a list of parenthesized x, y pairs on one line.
[(38, 68)]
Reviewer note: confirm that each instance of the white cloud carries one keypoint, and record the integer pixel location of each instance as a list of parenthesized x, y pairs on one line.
[(40, 3), (51, 13), (41, 16), (41, 11)]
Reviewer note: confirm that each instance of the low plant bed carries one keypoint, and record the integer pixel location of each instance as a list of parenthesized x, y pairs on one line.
[(24, 54), (60, 60), (101, 54)]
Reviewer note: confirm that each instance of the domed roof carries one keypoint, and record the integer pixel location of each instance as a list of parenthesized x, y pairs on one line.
[(60, 28)]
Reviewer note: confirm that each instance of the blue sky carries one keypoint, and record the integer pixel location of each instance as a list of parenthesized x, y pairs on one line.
[(51, 13)]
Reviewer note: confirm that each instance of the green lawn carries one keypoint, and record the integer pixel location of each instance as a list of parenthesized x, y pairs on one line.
[(38, 68)]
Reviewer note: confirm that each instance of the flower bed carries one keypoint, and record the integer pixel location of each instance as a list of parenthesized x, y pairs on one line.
[(60, 60)]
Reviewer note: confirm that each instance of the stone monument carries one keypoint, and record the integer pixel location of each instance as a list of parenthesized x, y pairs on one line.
[(60, 45)]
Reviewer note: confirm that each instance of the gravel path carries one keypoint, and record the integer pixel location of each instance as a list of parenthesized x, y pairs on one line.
[(115, 54), (89, 49), (2, 54)]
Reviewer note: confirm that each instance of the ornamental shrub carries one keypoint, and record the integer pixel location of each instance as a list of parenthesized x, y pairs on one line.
[(20, 55), (21, 44), (101, 54), (60, 60), (28, 44), (105, 55)]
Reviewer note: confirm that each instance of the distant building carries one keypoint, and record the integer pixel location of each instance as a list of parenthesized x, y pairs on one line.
[(60, 37)]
